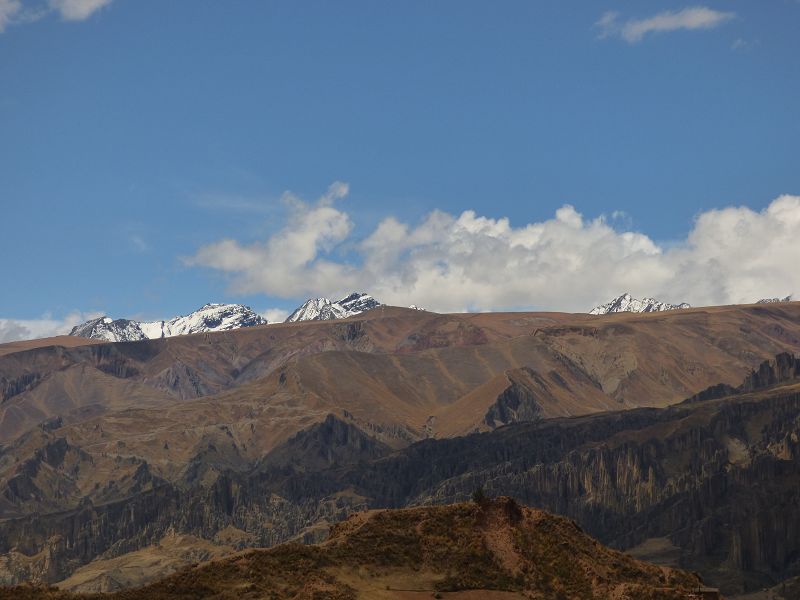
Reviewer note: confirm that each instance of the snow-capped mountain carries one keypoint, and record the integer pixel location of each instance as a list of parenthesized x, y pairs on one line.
[(211, 317), (626, 303), (770, 300), (323, 309)]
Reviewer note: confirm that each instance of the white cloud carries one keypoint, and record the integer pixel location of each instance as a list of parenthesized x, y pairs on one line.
[(26, 329), (77, 10), (633, 30), (470, 262), (9, 9), (275, 315), (291, 261)]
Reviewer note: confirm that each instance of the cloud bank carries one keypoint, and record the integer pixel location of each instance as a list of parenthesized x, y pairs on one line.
[(634, 30), (470, 262)]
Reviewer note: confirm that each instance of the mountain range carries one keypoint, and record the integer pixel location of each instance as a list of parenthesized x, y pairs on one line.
[(664, 434), (218, 317)]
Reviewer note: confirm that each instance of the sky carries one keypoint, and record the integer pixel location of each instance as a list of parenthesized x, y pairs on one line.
[(457, 155)]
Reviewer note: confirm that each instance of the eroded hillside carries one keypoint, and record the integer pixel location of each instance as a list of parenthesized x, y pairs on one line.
[(495, 549)]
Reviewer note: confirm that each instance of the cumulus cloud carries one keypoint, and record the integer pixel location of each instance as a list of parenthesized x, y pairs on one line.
[(12, 330), (633, 30), (471, 262), (294, 260)]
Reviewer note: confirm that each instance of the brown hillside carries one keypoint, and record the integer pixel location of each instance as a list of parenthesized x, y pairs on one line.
[(497, 549)]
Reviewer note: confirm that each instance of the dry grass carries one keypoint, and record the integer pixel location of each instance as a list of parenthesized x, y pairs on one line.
[(497, 547)]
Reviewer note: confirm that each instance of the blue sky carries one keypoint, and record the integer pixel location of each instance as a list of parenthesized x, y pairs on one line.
[(135, 136)]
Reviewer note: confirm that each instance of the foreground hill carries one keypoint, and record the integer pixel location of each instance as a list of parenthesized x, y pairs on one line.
[(494, 550)]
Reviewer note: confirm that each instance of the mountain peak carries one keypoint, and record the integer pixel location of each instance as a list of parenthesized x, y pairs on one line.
[(627, 303), (207, 318), (323, 309)]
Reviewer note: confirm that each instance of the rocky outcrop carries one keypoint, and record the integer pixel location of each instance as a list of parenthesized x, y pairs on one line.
[(325, 445), (515, 404), (12, 386), (785, 368)]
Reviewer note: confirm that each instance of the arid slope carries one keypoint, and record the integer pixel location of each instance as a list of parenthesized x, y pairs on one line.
[(464, 551)]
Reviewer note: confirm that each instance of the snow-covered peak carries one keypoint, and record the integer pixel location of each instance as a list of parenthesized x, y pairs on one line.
[(770, 300), (627, 303), (209, 317), (317, 309), (110, 330), (358, 302), (323, 309)]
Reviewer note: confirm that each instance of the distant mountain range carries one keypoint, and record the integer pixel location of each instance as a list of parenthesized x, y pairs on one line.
[(627, 303), (210, 317), (323, 309), (224, 317), (219, 317)]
